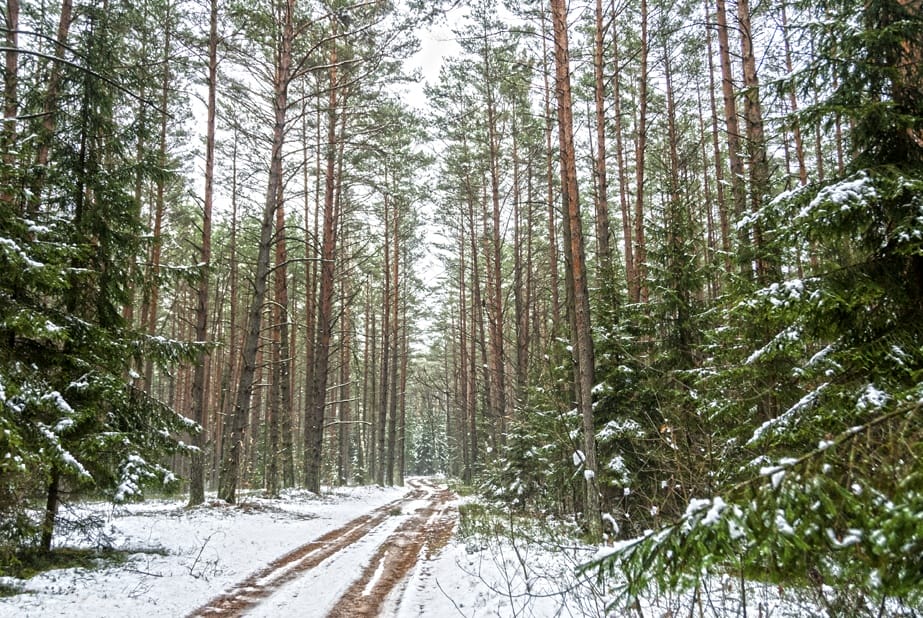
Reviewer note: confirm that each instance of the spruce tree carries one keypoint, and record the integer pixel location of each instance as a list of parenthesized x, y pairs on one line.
[(72, 415), (829, 496)]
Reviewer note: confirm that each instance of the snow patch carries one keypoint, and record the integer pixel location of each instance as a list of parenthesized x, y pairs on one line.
[(872, 398), (788, 417), (13, 247), (625, 428), (845, 195), (379, 571), (59, 402)]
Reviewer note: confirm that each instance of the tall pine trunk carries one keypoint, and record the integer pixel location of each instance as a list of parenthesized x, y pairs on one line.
[(151, 308), (724, 219), (603, 250), (624, 208), (314, 431), (492, 236), (640, 251), (396, 331), (554, 281), (199, 394), (582, 336), (312, 269), (10, 104), (766, 267), (465, 410), (738, 188), (229, 473), (793, 102), (344, 434), (385, 368)]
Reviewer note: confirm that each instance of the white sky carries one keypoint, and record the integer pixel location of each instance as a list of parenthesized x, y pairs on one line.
[(437, 42)]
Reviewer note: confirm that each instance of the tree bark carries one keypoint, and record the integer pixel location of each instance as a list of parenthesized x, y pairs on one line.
[(738, 189), (464, 368), (364, 457), (584, 354), (756, 141), (52, 500), (385, 369), (493, 264), (724, 220), (554, 282), (402, 398), (280, 396), (199, 390), (793, 103), (229, 473), (631, 276), (603, 250), (478, 338), (283, 362), (313, 458), (640, 252), (522, 271), (10, 103), (396, 330), (50, 104), (312, 268), (233, 353), (344, 436), (149, 317)]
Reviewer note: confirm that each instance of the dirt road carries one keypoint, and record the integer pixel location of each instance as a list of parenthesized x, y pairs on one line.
[(428, 519)]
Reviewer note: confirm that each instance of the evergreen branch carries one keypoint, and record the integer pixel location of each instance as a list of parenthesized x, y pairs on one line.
[(91, 72), (839, 440)]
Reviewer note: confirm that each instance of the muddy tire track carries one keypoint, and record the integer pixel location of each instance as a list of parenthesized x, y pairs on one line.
[(261, 584), (429, 529)]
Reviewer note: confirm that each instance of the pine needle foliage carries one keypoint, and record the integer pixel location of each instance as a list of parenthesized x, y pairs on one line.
[(826, 492)]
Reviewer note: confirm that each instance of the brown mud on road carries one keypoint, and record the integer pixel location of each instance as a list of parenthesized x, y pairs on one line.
[(430, 527)]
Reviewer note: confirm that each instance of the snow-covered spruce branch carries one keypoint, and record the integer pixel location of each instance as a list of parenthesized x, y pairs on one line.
[(824, 446), (713, 533)]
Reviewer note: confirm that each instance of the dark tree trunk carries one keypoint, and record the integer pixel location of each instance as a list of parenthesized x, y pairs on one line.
[(52, 501), (229, 474)]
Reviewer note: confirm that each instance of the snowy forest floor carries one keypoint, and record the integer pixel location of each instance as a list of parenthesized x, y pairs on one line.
[(361, 551)]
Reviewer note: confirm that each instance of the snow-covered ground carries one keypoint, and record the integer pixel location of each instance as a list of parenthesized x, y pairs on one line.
[(186, 557), (202, 552)]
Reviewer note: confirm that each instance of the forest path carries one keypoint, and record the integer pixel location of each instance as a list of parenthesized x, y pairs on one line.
[(429, 522)]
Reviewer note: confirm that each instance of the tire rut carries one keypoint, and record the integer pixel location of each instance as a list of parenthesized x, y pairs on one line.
[(262, 583), (430, 527)]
